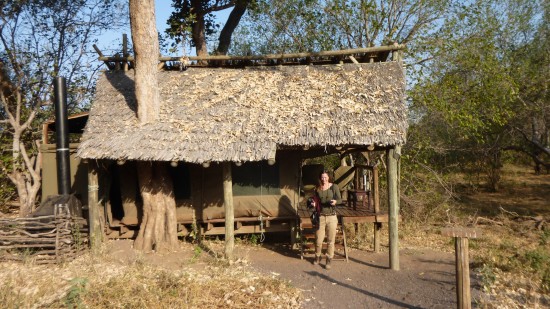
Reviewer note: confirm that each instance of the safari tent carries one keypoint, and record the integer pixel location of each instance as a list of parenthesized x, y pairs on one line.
[(262, 117)]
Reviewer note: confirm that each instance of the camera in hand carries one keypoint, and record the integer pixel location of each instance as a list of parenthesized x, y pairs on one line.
[(310, 202)]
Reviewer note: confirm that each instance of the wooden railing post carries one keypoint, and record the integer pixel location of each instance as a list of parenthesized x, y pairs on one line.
[(461, 235)]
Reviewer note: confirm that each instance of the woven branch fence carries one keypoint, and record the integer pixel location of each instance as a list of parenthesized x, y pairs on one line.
[(43, 240)]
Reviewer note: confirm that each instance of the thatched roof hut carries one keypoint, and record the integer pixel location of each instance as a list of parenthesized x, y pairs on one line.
[(214, 114)]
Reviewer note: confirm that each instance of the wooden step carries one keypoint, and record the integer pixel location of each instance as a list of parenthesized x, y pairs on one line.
[(308, 244)]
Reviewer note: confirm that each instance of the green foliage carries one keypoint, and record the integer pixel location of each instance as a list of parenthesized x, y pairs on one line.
[(329, 162), (545, 238), (538, 260), (184, 17), (197, 251), (74, 296), (468, 104), (195, 23), (470, 85), (488, 276), (312, 25), (254, 239)]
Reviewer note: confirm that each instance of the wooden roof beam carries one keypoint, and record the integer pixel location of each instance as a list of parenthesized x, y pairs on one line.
[(332, 53)]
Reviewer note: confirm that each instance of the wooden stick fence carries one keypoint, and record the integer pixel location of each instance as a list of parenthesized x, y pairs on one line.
[(43, 240)]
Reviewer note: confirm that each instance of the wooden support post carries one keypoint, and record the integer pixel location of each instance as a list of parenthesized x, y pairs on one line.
[(395, 54), (94, 213), (461, 236), (229, 211), (117, 64), (462, 273), (393, 156), (376, 198), (107, 63), (125, 50)]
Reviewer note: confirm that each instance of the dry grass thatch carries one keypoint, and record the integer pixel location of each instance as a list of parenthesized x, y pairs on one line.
[(212, 114)]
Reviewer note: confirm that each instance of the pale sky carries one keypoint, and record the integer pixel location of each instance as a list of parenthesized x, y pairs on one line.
[(110, 42)]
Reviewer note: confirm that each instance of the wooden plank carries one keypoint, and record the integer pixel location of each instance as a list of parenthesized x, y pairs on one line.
[(248, 229), (246, 219), (354, 220), (461, 232)]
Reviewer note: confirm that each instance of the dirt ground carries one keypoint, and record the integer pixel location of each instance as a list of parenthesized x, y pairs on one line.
[(426, 278)]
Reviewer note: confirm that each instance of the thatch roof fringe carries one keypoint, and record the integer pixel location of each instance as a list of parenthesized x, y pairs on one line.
[(245, 115)]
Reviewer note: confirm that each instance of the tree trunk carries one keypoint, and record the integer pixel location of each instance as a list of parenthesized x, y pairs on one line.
[(158, 230), (25, 175), (198, 31), (232, 22), (146, 48)]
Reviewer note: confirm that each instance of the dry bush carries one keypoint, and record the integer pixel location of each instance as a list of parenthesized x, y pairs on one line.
[(427, 195)]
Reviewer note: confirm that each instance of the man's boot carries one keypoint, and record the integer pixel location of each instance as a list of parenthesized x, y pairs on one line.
[(327, 266), (317, 260)]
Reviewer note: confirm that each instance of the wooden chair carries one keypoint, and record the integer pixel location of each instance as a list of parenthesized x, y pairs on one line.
[(354, 196), (361, 189)]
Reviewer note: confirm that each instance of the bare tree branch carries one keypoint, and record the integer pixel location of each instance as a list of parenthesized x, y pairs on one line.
[(533, 142)]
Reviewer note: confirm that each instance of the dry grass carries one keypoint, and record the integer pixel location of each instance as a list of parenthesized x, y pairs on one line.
[(511, 261), (101, 281), (512, 258)]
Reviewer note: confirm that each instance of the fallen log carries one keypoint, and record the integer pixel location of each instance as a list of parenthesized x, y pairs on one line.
[(483, 219)]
